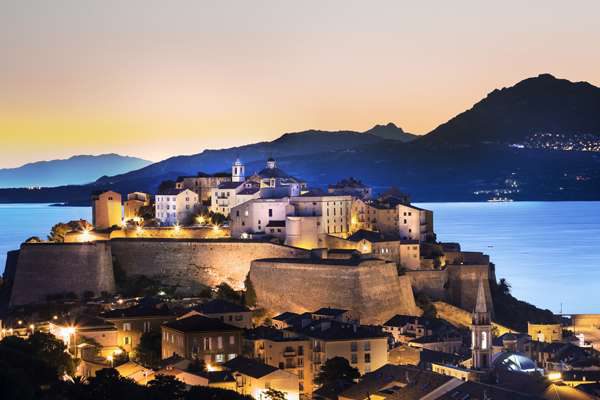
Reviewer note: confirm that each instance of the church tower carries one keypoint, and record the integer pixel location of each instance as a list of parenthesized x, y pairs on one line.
[(481, 332), (238, 171)]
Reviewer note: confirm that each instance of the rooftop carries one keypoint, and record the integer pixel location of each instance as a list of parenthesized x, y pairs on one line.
[(250, 367), (333, 330), (332, 312), (200, 323), (139, 310)]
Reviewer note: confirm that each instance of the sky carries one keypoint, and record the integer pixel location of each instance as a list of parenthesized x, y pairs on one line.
[(154, 79)]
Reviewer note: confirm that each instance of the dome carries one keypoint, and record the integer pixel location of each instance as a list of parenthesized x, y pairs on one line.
[(513, 362)]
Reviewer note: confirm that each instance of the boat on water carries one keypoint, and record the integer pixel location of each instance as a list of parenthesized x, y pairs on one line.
[(499, 200)]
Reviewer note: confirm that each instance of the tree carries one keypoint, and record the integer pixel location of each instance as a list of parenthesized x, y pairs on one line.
[(226, 292), (166, 185), (504, 287), (148, 350), (210, 393), (58, 231), (109, 385), (250, 293), (165, 387), (146, 212), (424, 303), (273, 394), (336, 370)]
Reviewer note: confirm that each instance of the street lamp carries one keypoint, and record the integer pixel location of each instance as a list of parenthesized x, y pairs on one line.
[(110, 359)]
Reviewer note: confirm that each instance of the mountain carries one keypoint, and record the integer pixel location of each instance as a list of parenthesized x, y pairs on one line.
[(543, 104), (484, 152), (392, 132), (75, 170)]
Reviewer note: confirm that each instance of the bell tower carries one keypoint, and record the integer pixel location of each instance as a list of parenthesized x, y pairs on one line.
[(238, 171), (481, 332)]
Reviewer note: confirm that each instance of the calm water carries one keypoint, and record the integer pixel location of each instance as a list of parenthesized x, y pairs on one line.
[(548, 251), (19, 222)]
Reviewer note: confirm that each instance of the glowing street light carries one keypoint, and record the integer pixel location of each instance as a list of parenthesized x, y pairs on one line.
[(85, 235), (215, 228), (139, 230), (32, 327), (177, 228), (111, 360)]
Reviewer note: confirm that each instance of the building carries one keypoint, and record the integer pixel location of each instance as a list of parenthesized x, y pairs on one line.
[(393, 218), (252, 217), (202, 184), (365, 347), (481, 332), (200, 337), (135, 201), (255, 379), (352, 187), (406, 328), (106, 209), (545, 332), (283, 350), (230, 313), (133, 322), (276, 182), (176, 206), (230, 194)]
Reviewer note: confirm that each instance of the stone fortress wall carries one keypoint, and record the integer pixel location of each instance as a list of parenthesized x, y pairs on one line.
[(187, 263), (44, 269), (372, 289)]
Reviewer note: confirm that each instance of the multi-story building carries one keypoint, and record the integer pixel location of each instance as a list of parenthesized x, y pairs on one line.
[(106, 209), (135, 201), (230, 313), (200, 337), (365, 347), (133, 322), (176, 206), (202, 184), (231, 194), (352, 187), (393, 218), (258, 216), (283, 350)]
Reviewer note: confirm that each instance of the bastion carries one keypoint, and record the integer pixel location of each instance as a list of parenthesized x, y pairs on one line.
[(44, 269), (371, 288), (188, 263)]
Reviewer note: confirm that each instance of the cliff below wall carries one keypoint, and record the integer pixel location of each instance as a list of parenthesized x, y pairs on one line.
[(47, 269), (195, 263), (372, 289)]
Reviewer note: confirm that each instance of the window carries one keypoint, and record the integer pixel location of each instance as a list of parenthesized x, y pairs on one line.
[(484, 340), (127, 340), (300, 350), (367, 346), (237, 213), (127, 326), (220, 358), (270, 212), (354, 358), (147, 326), (367, 358), (231, 356), (220, 342), (353, 346), (231, 339)]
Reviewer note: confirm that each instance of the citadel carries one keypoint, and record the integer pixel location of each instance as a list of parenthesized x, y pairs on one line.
[(271, 281), (301, 248)]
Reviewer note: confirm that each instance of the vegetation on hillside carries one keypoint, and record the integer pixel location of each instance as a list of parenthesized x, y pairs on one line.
[(514, 313)]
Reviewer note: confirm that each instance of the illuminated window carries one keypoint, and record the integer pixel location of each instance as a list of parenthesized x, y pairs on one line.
[(484, 340)]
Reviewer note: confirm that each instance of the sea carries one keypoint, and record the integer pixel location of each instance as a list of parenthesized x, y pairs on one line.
[(548, 251)]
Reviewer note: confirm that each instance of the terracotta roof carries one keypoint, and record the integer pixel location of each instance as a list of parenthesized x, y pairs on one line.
[(250, 367)]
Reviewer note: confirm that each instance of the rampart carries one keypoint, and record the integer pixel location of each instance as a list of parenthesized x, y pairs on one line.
[(188, 263), (47, 269), (371, 288), (455, 284)]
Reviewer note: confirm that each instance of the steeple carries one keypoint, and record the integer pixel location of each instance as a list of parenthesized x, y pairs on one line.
[(238, 171), (481, 331)]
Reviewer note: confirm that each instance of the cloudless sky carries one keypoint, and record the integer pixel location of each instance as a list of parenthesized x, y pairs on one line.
[(160, 78)]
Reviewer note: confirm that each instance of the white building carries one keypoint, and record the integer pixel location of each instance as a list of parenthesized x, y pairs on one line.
[(176, 206), (230, 194), (274, 182), (259, 216)]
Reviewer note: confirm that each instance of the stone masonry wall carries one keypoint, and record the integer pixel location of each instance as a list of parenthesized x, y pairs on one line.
[(44, 269), (372, 289), (191, 263)]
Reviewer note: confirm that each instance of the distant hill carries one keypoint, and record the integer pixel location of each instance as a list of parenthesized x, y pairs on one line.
[(543, 104), (75, 170), (392, 132), (472, 157)]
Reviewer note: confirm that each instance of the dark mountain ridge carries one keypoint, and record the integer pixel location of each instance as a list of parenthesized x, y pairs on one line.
[(468, 158)]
